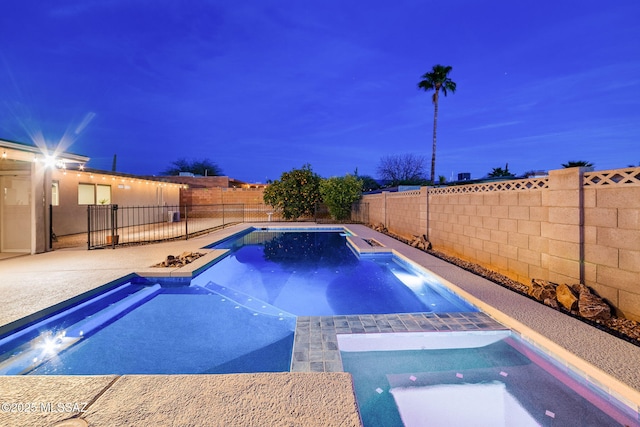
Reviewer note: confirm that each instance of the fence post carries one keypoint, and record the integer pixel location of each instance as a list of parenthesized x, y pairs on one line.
[(427, 211), (114, 225), (50, 228), (88, 227), (186, 224)]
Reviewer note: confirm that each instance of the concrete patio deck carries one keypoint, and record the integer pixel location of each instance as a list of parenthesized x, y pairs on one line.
[(29, 284)]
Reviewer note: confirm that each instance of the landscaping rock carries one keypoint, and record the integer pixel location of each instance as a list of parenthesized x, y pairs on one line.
[(542, 289), (179, 261), (380, 228), (579, 288), (627, 328), (566, 297), (420, 242), (593, 307)]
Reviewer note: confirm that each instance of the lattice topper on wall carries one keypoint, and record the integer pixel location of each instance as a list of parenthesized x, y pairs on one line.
[(612, 177), (511, 185), (405, 193)]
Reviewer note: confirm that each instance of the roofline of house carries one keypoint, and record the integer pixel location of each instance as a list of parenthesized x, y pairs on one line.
[(37, 150)]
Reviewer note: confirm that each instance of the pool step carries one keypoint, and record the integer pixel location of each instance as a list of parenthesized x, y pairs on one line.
[(100, 319), (45, 324), (49, 344), (247, 301), (362, 247)]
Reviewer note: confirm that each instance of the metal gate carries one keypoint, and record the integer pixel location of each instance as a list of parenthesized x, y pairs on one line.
[(102, 226)]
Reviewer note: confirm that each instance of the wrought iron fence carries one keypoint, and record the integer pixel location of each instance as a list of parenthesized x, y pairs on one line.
[(113, 225)]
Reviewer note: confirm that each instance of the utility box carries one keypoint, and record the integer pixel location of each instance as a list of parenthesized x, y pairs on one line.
[(173, 216)]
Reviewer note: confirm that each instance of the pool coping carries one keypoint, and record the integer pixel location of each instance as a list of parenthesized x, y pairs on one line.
[(315, 347), (186, 271)]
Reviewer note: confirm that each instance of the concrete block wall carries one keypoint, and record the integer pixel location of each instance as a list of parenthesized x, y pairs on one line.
[(612, 237), (407, 212), (574, 226), (377, 203), (498, 229), (218, 195)]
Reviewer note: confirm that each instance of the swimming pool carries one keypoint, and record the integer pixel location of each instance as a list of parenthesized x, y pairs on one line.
[(239, 315), (470, 378), (317, 273)]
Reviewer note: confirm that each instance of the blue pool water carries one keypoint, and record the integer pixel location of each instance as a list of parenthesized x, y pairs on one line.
[(239, 315), (182, 330), (470, 378), (317, 274)]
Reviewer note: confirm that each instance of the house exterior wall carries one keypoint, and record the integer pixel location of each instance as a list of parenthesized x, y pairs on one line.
[(25, 173), (18, 204), (70, 217), (574, 226)]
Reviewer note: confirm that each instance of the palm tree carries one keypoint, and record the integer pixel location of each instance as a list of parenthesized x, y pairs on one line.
[(499, 172), (436, 79), (577, 163)]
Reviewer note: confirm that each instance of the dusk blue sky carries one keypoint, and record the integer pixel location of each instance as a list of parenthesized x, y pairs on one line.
[(261, 87)]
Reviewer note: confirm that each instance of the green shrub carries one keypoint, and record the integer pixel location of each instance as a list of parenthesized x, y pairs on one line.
[(295, 194), (339, 193)]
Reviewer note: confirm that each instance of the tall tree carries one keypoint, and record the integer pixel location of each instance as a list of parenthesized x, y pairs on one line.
[(577, 164), (437, 79), (204, 167), (402, 169), (499, 172)]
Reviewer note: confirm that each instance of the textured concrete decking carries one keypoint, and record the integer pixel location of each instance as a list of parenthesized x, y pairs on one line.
[(29, 284)]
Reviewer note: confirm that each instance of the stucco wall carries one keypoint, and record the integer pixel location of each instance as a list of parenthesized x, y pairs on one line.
[(69, 217), (573, 226)]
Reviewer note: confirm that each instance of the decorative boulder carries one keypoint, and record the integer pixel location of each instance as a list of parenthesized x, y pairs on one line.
[(566, 297), (551, 302), (420, 242), (592, 307), (542, 289), (579, 288)]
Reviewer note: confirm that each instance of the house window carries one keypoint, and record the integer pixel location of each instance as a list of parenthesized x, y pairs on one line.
[(89, 194), (55, 193), (86, 194), (103, 194)]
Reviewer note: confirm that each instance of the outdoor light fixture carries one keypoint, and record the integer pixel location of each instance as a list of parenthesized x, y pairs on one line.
[(49, 161), (4, 154)]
